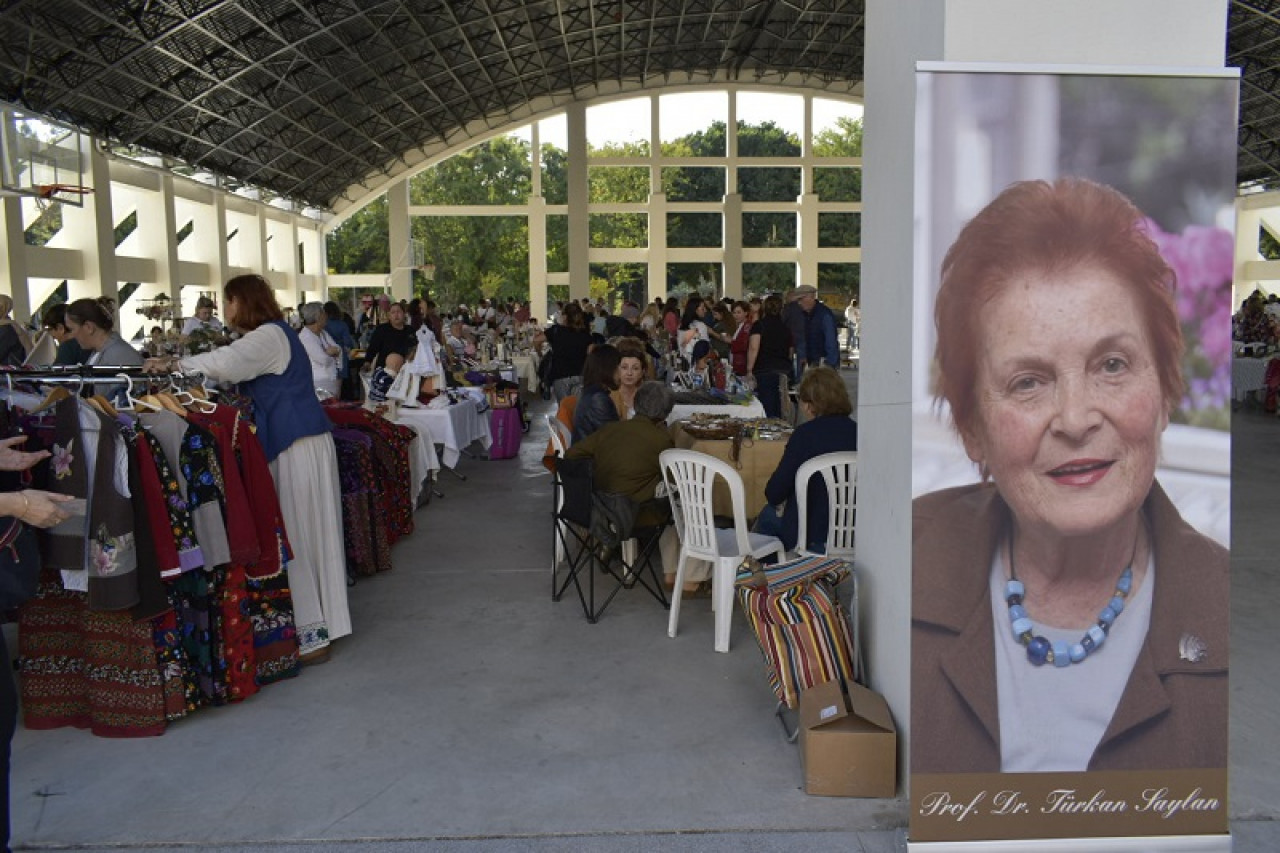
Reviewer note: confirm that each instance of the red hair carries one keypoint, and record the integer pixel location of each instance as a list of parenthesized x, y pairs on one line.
[(255, 301), (1049, 228)]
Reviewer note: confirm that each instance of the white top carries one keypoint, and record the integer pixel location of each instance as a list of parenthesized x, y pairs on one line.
[(324, 367), (701, 332), (1053, 718), (213, 324), (264, 350), (426, 359)]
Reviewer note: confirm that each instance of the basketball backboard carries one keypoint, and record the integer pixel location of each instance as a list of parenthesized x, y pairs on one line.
[(41, 158)]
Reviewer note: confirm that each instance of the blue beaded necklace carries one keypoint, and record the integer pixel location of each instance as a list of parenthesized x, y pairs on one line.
[(1039, 650)]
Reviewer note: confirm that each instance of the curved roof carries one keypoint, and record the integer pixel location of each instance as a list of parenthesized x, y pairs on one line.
[(311, 100)]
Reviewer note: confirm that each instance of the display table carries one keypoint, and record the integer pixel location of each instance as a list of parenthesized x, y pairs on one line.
[(753, 409), (1248, 374), (423, 459), (526, 368), (757, 460), (454, 427)]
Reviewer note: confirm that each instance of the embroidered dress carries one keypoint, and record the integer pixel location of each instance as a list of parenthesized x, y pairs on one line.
[(391, 450), (153, 599), (255, 640), (189, 554), (113, 556), (235, 636), (363, 534), (84, 668)]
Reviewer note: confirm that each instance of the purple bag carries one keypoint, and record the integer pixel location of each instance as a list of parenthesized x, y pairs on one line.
[(507, 427)]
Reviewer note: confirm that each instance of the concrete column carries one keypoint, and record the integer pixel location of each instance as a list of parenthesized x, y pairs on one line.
[(579, 221), (658, 246), (219, 262), (13, 257), (1084, 33), (807, 239), (401, 278), (157, 227), (733, 245), (1248, 224), (537, 228), (91, 229), (537, 255)]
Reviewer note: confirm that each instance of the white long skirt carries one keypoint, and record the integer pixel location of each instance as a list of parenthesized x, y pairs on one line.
[(306, 476)]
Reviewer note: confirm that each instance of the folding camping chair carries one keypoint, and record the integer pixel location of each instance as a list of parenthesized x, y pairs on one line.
[(591, 527)]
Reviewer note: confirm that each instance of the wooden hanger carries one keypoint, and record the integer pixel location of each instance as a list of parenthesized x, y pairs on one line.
[(57, 395), (103, 405)]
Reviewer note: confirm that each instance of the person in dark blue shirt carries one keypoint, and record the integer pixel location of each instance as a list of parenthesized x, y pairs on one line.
[(830, 428), (821, 345)]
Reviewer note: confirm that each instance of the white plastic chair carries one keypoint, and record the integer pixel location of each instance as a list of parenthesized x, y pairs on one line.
[(690, 477), (560, 438), (561, 435), (839, 473)]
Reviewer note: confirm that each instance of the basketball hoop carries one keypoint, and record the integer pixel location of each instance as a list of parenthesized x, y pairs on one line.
[(428, 271), (49, 192)]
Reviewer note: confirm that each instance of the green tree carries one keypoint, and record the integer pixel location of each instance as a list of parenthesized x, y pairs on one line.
[(1268, 246), (476, 255), (48, 223), (361, 244), (840, 184), (843, 140), (618, 184)]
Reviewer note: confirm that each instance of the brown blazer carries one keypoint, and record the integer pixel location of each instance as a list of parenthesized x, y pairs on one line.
[(1173, 713)]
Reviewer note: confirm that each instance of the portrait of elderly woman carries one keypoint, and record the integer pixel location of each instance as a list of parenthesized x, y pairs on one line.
[(1064, 616)]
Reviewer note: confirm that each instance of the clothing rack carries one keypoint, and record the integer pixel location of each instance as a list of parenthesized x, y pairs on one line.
[(84, 374), (88, 373)]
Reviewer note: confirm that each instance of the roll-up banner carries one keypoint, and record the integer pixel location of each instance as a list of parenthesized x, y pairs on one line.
[(1071, 458)]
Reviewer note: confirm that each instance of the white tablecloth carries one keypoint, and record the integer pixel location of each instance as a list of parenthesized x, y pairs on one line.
[(455, 427), (752, 410), (423, 459), (1248, 374), (526, 367)]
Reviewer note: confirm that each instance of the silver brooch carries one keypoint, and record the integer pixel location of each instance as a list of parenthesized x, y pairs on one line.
[(1192, 648)]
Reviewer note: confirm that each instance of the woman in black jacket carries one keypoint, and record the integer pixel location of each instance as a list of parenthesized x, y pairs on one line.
[(569, 339), (599, 379)]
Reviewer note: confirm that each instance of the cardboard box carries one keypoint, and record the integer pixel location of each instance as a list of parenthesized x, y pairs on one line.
[(848, 743)]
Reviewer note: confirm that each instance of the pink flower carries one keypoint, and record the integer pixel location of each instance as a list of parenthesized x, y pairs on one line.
[(103, 557), (1202, 259), (62, 460)]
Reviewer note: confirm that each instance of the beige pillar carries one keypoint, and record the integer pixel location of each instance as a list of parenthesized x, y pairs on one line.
[(401, 278), (579, 221)]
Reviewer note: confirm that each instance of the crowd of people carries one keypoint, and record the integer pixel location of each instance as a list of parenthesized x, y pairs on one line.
[(1258, 320)]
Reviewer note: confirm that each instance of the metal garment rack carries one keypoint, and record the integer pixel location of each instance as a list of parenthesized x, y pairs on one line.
[(83, 375), (86, 373)]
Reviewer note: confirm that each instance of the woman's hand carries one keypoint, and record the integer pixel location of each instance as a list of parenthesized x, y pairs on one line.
[(18, 460), (168, 364), (40, 509), (334, 351)]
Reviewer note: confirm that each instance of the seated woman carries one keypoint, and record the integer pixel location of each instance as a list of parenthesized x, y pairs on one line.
[(460, 342), (599, 379), (633, 369), (699, 375), (825, 401)]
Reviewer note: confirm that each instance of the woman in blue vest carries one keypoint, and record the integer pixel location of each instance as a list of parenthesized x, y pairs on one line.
[(274, 371)]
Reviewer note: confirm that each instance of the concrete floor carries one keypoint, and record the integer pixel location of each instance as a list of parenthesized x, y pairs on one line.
[(469, 712)]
